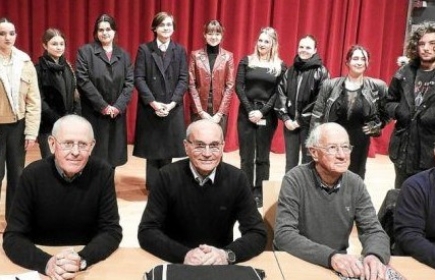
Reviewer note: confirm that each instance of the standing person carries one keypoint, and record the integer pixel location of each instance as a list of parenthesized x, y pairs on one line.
[(211, 77), (57, 85), (65, 199), (20, 108), (161, 79), (411, 102), (357, 103), (105, 82), (297, 94), (257, 77), (318, 205)]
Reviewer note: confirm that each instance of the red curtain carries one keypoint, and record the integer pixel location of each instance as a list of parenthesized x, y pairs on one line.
[(379, 25)]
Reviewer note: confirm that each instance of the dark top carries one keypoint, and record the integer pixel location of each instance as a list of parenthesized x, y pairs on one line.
[(414, 218), (255, 87), (101, 82), (413, 137), (181, 215), (47, 210), (212, 53), (57, 86), (161, 79)]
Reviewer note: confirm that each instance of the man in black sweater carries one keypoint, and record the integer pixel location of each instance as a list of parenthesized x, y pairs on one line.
[(65, 199), (191, 212)]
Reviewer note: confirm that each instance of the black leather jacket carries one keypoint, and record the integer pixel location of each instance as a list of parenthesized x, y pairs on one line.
[(293, 107), (373, 90)]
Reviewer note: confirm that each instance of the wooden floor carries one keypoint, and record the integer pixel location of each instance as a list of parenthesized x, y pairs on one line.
[(132, 196)]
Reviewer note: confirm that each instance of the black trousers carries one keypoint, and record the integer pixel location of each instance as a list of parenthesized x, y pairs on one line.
[(12, 156), (294, 143), (152, 171), (254, 146), (401, 176), (43, 144)]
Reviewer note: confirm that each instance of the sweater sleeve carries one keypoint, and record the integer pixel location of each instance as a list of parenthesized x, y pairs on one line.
[(253, 230), (240, 85), (151, 234), (373, 238), (411, 218), (287, 234), (16, 243), (109, 234)]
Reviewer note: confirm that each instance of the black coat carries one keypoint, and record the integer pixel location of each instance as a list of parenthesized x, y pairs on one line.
[(413, 137), (101, 83), (57, 86), (161, 80)]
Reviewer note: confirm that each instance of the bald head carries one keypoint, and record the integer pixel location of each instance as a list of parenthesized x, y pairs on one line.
[(204, 125), (72, 121)]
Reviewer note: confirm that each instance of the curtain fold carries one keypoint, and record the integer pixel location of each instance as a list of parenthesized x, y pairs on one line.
[(379, 25)]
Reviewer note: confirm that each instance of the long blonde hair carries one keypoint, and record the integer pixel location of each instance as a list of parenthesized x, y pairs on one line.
[(274, 62)]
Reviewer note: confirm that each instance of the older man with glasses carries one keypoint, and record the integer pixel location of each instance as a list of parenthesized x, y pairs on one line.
[(66, 199), (191, 212), (318, 205)]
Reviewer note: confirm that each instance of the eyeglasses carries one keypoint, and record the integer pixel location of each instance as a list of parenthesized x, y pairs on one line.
[(334, 149), (201, 147), (69, 145)]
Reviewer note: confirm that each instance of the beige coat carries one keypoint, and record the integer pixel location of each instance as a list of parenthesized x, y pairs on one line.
[(24, 81)]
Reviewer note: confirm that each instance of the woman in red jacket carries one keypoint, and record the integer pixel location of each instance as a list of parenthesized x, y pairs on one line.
[(211, 77)]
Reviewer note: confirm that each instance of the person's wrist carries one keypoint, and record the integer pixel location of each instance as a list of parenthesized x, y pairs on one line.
[(230, 256), (82, 264)]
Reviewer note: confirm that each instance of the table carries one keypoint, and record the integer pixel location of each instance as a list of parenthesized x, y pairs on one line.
[(132, 263), (412, 269), (295, 268)]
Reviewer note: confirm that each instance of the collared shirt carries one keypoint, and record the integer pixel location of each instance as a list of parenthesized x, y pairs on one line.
[(165, 47), (201, 180), (64, 176), (321, 184)]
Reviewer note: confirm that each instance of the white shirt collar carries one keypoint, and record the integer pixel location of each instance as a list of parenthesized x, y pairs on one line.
[(201, 181), (160, 43)]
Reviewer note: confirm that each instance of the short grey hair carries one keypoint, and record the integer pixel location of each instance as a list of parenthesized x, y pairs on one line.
[(316, 133)]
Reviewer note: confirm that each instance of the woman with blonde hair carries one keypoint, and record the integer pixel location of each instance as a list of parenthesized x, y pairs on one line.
[(257, 77)]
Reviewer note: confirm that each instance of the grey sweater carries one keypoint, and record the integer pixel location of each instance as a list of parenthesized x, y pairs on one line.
[(312, 224)]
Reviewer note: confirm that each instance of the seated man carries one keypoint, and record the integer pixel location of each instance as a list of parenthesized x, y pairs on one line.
[(190, 214), (414, 218), (318, 205), (66, 199)]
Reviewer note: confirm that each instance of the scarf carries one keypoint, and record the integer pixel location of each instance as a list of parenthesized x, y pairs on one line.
[(306, 69)]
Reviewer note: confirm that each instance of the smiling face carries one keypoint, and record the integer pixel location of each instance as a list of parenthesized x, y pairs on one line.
[(264, 45), (165, 29), (307, 48), (358, 62), (75, 132), (55, 47), (105, 33), (331, 164), (7, 37), (213, 38), (204, 146)]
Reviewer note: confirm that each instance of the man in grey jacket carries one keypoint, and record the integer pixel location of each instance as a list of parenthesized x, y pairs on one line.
[(318, 205)]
